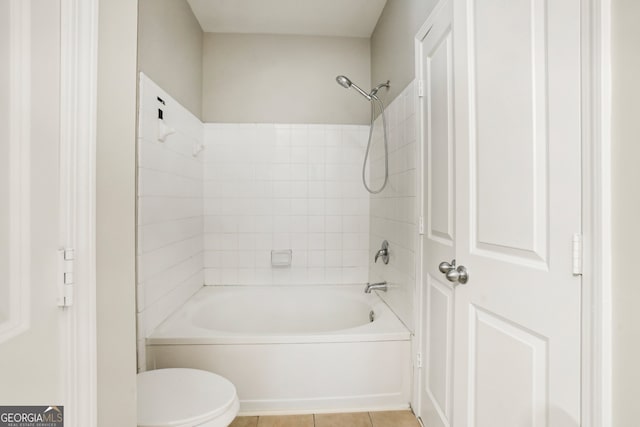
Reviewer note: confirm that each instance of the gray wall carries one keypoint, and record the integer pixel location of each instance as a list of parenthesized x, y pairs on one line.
[(625, 210), (115, 222), (392, 43), (283, 79), (170, 50)]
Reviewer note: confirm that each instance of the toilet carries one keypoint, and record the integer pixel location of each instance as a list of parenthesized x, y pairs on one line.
[(179, 397)]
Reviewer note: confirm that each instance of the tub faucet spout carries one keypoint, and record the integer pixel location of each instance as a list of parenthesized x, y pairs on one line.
[(382, 286)]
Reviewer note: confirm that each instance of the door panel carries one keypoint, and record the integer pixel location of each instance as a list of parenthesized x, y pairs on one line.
[(508, 128), (439, 135), (439, 338), (519, 379), (517, 320), (438, 241)]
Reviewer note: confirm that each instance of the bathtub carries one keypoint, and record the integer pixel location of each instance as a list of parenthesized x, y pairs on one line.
[(292, 349)]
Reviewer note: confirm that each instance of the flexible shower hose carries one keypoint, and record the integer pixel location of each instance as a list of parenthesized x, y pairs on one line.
[(375, 99)]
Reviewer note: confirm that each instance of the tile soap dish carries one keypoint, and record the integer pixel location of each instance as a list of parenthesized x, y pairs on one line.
[(281, 258)]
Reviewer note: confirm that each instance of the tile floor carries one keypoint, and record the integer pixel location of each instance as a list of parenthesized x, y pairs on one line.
[(356, 419)]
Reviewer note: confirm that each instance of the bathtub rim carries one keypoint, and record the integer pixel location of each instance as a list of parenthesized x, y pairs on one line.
[(178, 330)]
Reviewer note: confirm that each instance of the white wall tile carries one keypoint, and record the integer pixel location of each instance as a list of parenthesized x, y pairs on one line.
[(157, 261), (333, 241), (170, 210), (393, 212), (333, 258), (160, 234), (283, 186), (316, 241), (299, 241), (316, 224), (316, 259)]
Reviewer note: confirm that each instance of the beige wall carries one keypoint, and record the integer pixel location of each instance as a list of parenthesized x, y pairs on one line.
[(283, 79), (626, 211), (170, 50), (392, 43), (116, 129)]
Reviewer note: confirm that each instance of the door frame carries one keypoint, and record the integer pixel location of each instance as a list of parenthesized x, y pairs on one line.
[(596, 214), (78, 100), (596, 175)]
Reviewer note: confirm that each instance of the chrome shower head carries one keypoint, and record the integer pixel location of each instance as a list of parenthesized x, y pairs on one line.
[(346, 83)]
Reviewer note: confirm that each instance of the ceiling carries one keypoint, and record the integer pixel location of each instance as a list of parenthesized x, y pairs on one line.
[(346, 18)]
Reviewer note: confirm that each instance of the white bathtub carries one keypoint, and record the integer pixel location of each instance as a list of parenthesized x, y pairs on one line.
[(291, 349)]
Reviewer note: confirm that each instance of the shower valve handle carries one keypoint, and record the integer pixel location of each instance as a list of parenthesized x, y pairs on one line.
[(383, 252)]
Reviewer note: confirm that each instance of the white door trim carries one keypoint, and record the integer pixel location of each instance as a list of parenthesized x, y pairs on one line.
[(596, 312), (79, 49)]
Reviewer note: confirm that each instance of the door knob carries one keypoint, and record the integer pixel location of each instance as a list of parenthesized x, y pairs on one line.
[(445, 267), (458, 275)]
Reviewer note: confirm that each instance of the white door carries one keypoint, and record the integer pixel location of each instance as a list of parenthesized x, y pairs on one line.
[(47, 353), (502, 197), (518, 196), (47, 182), (30, 348), (435, 68)]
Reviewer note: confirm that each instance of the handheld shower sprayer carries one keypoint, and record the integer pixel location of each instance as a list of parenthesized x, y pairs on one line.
[(346, 83), (371, 97)]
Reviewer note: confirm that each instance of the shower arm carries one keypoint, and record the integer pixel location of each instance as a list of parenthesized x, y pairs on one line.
[(375, 90), (362, 92)]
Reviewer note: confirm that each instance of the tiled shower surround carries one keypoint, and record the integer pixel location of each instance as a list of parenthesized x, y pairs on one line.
[(214, 218), (394, 213), (170, 222), (278, 187)]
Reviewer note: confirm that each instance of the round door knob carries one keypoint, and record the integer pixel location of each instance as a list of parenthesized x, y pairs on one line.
[(458, 275), (446, 267)]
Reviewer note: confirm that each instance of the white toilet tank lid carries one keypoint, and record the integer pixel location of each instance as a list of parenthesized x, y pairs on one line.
[(182, 397)]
